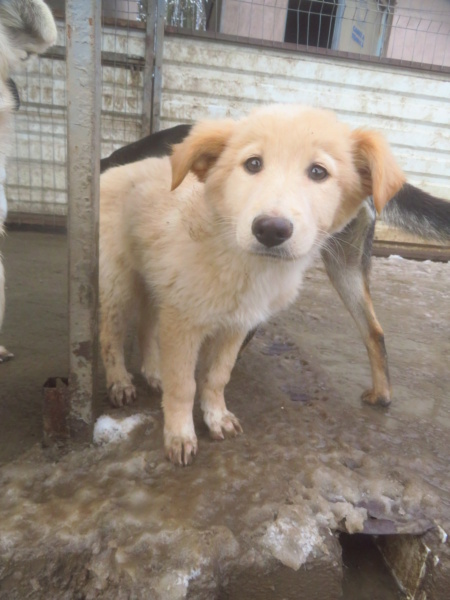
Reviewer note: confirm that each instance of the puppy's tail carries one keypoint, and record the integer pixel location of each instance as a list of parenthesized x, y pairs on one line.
[(419, 213)]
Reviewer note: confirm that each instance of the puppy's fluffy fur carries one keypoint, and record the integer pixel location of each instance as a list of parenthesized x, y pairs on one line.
[(26, 27), (178, 239)]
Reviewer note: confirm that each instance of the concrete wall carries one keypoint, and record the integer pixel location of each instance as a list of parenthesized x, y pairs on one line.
[(204, 78)]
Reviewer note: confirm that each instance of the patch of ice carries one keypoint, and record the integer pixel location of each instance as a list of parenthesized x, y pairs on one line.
[(292, 542), (184, 578), (108, 430), (395, 257), (442, 534)]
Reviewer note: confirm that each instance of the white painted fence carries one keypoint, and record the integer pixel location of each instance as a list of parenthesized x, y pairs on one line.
[(205, 78)]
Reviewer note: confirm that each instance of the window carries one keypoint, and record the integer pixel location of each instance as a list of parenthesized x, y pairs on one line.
[(311, 22)]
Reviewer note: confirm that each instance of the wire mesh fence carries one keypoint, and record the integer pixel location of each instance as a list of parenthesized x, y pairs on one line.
[(405, 30), (36, 185)]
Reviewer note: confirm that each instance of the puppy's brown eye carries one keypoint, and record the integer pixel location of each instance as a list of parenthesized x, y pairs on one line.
[(317, 172), (254, 164)]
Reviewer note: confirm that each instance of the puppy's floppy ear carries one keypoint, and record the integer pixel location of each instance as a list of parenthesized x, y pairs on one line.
[(379, 173), (200, 150)]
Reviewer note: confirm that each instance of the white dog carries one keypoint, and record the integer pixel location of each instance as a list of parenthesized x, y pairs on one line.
[(26, 27), (215, 240)]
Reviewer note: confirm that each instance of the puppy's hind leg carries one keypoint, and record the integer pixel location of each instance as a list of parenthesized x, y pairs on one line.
[(115, 305), (347, 261), (148, 338), (217, 358)]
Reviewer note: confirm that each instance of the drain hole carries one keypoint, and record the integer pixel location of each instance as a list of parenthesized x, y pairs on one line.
[(366, 576)]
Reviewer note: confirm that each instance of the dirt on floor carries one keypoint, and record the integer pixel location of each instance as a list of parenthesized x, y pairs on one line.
[(256, 516)]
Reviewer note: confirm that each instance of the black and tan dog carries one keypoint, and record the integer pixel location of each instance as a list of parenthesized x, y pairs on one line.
[(347, 256)]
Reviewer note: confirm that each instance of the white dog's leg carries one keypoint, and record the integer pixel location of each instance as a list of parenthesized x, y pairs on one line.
[(4, 354), (2, 296), (217, 359), (3, 202)]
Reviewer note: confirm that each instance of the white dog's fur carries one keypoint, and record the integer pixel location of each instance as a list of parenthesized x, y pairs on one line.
[(26, 27), (190, 258)]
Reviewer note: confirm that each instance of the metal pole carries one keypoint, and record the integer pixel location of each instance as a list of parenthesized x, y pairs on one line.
[(83, 34), (149, 68), (157, 78)]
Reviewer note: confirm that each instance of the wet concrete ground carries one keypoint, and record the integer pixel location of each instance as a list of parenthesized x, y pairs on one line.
[(255, 517)]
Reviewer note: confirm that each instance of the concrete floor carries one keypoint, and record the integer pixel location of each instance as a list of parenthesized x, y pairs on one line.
[(255, 517)]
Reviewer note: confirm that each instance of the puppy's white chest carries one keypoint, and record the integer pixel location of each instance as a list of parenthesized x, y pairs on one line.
[(265, 294)]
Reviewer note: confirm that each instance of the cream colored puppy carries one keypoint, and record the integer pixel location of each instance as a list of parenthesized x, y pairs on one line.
[(215, 240)]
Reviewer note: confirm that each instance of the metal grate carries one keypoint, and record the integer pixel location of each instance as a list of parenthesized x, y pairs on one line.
[(123, 52), (36, 169)]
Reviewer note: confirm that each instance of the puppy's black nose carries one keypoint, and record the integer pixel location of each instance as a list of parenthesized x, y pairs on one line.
[(271, 231)]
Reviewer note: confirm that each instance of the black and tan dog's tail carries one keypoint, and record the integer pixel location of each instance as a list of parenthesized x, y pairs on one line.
[(419, 213)]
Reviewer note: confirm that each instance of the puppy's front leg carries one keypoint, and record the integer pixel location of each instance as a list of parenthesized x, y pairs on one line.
[(179, 345), (217, 358)]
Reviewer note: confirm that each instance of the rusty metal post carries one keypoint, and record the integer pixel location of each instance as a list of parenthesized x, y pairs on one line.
[(152, 75), (149, 67), (83, 34), (157, 76)]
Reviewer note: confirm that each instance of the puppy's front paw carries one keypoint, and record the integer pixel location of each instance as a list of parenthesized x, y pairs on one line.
[(122, 393), (376, 399), (180, 449), (221, 424), (5, 355)]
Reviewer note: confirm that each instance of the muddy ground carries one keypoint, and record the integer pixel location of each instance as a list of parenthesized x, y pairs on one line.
[(254, 517)]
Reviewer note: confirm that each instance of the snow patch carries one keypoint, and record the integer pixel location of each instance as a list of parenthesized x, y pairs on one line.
[(109, 430), (292, 542), (184, 578)]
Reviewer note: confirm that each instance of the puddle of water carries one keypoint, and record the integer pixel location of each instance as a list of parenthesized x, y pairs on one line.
[(366, 576)]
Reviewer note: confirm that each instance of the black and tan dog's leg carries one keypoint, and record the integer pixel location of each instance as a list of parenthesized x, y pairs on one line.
[(347, 261), (217, 358)]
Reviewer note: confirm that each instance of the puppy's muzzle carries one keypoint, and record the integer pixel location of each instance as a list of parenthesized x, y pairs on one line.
[(271, 231)]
